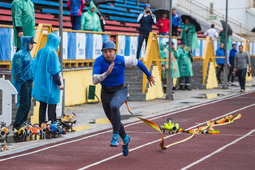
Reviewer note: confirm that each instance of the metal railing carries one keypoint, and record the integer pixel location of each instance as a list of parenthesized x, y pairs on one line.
[(203, 12)]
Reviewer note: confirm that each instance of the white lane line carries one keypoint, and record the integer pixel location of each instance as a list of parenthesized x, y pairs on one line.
[(141, 146), (97, 134), (217, 151)]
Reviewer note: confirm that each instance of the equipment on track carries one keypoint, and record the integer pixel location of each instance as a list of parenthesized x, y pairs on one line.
[(174, 127)]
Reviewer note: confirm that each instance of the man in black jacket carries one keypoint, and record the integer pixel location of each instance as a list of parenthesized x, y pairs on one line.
[(102, 19), (146, 20)]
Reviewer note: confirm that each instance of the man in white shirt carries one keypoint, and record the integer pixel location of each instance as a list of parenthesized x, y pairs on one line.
[(212, 32)]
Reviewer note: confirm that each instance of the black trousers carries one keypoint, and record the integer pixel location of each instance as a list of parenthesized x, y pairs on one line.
[(230, 74), (51, 112), (140, 43), (111, 103), (24, 104), (174, 31), (184, 81), (242, 77), (76, 22), (220, 69)]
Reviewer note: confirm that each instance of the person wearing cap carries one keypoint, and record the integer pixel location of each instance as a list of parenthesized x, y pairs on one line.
[(146, 20), (109, 71), (189, 35), (22, 79), (47, 84), (185, 66), (90, 21), (23, 20)]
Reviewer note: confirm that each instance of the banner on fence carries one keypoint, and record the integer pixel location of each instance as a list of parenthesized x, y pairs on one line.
[(75, 45)]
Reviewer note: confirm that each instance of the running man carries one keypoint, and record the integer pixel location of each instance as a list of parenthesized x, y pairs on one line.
[(109, 70)]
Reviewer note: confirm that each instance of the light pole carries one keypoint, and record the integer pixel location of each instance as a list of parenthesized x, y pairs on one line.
[(61, 48), (169, 94), (225, 86)]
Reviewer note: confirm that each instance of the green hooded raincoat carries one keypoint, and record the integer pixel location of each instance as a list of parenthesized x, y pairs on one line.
[(190, 37), (23, 15), (89, 21), (184, 61)]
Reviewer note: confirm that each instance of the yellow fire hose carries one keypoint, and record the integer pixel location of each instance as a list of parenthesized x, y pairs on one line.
[(210, 124)]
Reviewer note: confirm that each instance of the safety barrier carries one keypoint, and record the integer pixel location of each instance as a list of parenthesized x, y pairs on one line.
[(7, 91)]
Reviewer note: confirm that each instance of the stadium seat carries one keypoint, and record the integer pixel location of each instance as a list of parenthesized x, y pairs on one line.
[(54, 11), (108, 22), (135, 11), (5, 5), (129, 6), (112, 8), (5, 18), (5, 12), (124, 14), (122, 19), (49, 3), (120, 28)]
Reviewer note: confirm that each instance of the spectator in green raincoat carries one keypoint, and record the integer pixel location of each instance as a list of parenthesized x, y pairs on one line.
[(23, 20), (222, 39), (164, 53), (189, 35), (185, 66), (163, 56), (90, 21), (47, 84), (22, 79)]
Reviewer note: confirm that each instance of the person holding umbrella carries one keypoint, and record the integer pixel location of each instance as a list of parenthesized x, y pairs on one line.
[(101, 17), (188, 33), (223, 33)]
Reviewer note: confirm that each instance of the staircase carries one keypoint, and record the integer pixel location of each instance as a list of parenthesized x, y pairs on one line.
[(134, 78), (196, 81), (202, 13)]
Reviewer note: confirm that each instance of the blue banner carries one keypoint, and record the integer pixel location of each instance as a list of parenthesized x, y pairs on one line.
[(75, 45)]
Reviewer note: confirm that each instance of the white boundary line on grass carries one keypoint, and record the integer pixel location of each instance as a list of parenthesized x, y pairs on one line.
[(218, 150), (141, 146), (86, 137)]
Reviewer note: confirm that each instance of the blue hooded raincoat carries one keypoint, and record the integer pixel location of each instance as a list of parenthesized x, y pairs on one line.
[(22, 65), (45, 65)]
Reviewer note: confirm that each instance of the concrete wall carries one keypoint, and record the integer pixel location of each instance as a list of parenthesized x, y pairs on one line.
[(250, 18)]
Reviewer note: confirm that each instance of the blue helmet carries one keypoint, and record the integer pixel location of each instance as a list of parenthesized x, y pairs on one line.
[(109, 45)]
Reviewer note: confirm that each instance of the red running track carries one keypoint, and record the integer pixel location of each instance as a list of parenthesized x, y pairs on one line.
[(233, 148)]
